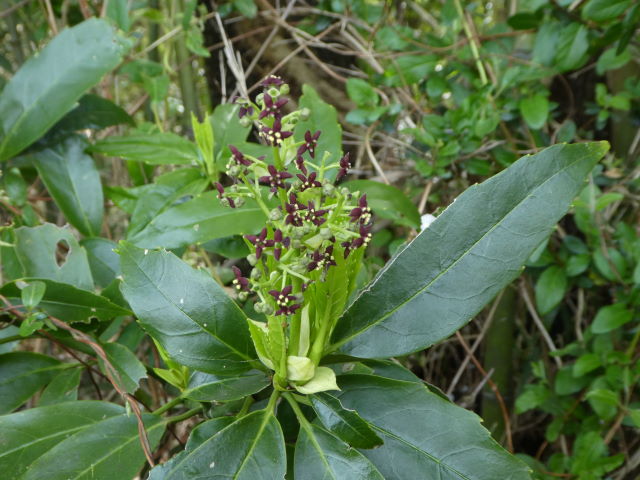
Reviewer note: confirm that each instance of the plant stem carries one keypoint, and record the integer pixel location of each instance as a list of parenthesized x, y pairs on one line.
[(272, 400), (185, 415), (168, 406), (472, 43), (304, 423), (245, 406), (13, 338)]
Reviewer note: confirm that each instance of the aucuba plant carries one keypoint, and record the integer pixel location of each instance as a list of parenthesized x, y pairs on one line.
[(292, 367), (306, 257)]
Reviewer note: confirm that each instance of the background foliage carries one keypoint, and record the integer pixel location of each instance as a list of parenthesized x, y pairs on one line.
[(432, 97)]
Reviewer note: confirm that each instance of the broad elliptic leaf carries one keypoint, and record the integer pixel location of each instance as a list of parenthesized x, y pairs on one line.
[(152, 148), (475, 248), (104, 450), (387, 201), (248, 449), (205, 387), (322, 117), (186, 311), (23, 374), (198, 220), (603, 10), (63, 388), (72, 179), (130, 370), (572, 46), (611, 317), (535, 110), (425, 435), (51, 252), (550, 289), (49, 83), (321, 455), (344, 423), (67, 302), (31, 433)]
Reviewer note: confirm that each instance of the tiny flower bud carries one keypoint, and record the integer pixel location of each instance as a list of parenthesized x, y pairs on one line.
[(224, 201), (242, 296), (307, 229), (239, 202), (345, 191), (284, 89), (274, 92), (245, 122), (275, 214), (296, 243), (328, 189), (255, 274), (233, 171), (305, 113), (251, 258), (260, 98), (233, 188), (267, 309), (259, 307)]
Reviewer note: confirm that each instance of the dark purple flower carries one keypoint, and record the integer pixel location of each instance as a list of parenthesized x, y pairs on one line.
[(362, 240), (310, 143), (293, 211), (260, 241), (244, 111), (284, 301), (300, 164), (275, 135), (279, 242), (272, 80), (239, 158), (322, 259), (222, 196), (345, 165), (272, 108), (275, 178), (315, 216), (362, 212), (308, 182), (241, 283)]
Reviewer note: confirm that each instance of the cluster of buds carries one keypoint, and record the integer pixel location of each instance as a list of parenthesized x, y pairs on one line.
[(312, 225)]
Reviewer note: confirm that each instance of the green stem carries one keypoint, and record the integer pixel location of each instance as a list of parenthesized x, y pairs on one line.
[(245, 406), (13, 338), (472, 43), (319, 343), (185, 415), (168, 406), (272, 401), (304, 423)]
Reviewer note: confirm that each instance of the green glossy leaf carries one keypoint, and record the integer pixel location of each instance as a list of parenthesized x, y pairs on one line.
[(467, 255), (611, 60), (118, 11), (572, 46), (152, 148), (534, 110), (104, 450), (72, 179), (550, 289), (319, 454), (63, 388), (187, 312), (611, 317), (32, 294), (604, 402), (31, 433), (248, 449), (49, 83), (586, 363), (197, 221), (103, 261), (204, 387), (23, 374), (603, 10), (387, 201), (92, 112), (130, 370), (345, 424), (168, 189), (322, 117), (362, 93), (566, 384), (67, 302), (35, 249), (227, 130), (426, 436)]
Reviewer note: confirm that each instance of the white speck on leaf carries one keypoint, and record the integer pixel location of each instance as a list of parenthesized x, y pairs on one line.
[(182, 301), (146, 251), (212, 464), (196, 227)]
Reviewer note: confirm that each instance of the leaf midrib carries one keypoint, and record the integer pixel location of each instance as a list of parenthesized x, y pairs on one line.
[(339, 344), (233, 349)]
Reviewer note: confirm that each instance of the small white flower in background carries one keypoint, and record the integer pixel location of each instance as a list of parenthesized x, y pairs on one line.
[(426, 220)]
